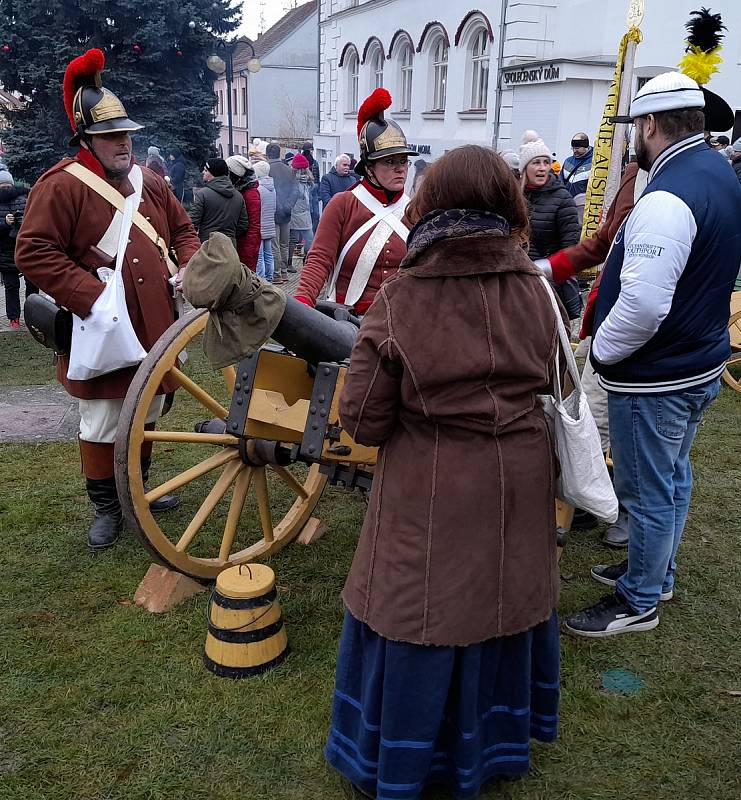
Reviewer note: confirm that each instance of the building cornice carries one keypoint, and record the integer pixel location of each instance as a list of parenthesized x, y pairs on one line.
[(353, 10)]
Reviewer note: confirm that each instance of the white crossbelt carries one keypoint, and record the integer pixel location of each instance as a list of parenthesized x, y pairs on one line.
[(386, 220)]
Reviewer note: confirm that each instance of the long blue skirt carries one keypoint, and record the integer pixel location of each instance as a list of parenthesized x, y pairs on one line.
[(406, 715)]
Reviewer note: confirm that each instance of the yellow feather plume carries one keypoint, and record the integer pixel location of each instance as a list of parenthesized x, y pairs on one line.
[(699, 65)]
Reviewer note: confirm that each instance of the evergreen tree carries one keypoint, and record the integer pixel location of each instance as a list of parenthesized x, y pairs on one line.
[(156, 53)]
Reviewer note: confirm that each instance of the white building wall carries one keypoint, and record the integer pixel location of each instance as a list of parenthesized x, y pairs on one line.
[(564, 31)]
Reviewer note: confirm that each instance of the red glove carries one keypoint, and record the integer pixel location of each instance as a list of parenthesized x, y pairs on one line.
[(561, 267)]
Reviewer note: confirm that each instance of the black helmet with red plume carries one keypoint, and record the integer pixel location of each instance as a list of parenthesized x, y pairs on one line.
[(377, 136), (91, 108)]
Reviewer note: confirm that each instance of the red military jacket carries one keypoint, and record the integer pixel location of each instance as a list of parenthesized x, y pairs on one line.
[(339, 221), (56, 249)]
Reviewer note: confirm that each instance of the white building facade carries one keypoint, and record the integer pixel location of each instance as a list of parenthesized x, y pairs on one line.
[(483, 74)]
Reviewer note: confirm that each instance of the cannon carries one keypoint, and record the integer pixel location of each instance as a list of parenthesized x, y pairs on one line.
[(249, 449)]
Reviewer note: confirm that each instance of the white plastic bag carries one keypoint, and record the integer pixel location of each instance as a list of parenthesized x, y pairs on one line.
[(584, 481), (105, 340)]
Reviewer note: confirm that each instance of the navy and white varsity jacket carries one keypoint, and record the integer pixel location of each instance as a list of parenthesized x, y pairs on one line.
[(662, 310)]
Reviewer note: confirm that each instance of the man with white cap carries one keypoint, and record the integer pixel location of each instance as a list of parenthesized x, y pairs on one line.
[(661, 341)]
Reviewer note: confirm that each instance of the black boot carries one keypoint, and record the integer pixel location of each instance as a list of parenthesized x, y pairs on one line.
[(167, 502), (108, 524)]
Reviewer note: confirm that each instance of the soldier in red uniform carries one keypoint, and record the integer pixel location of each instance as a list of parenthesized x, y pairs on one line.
[(362, 234), (70, 231)]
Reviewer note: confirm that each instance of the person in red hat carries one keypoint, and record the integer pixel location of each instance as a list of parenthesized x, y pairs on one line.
[(362, 234), (69, 243), (302, 229)]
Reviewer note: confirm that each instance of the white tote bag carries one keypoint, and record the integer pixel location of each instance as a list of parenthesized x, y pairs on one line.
[(105, 340), (584, 481)]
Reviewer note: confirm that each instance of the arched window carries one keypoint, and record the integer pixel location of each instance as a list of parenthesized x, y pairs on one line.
[(377, 69), (479, 50), (405, 83), (353, 71), (439, 73)]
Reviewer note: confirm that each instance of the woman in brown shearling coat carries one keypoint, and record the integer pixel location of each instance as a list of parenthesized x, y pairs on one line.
[(448, 663)]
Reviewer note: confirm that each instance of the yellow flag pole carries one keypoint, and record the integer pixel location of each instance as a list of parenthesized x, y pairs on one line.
[(609, 144)]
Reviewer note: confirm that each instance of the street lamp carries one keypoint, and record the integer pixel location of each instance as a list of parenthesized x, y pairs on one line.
[(221, 62)]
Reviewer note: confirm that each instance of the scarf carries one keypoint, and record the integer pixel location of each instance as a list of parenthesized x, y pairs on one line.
[(452, 224)]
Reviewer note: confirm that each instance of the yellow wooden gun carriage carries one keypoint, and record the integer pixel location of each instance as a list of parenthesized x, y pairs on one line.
[(248, 450)]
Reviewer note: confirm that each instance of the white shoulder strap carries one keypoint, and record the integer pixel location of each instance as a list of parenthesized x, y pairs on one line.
[(391, 214), (117, 200)]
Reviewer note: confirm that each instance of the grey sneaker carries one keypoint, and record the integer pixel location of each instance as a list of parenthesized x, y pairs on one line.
[(617, 534), (608, 574)]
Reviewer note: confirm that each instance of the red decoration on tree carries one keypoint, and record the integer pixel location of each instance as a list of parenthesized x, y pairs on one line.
[(7, 48), (81, 71), (179, 53), (373, 107), (137, 49)]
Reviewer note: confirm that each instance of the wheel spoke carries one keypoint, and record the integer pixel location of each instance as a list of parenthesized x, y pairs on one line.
[(200, 394), (241, 486), (263, 504), (191, 474), (191, 437), (209, 504), (289, 480)]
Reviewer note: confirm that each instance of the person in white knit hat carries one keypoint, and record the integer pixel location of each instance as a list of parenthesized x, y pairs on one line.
[(554, 220)]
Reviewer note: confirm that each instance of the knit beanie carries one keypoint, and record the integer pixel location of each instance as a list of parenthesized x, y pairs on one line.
[(154, 151), (300, 162), (533, 150), (5, 176), (511, 159), (530, 136), (217, 167), (262, 169), (238, 165), (737, 146)]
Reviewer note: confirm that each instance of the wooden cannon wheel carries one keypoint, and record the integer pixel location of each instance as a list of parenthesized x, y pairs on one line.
[(732, 374), (230, 512)]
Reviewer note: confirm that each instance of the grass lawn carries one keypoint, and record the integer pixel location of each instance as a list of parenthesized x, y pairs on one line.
[(99, 699)]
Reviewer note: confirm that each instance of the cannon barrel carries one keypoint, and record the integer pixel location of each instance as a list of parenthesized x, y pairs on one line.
[(315, 336)]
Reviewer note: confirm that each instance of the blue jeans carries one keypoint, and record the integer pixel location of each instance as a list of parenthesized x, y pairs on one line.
[(265, 262), (651, 440), (306, 236)]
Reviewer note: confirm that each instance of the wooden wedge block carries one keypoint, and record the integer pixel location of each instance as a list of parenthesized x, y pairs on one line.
[(313, 530), (163, 589)]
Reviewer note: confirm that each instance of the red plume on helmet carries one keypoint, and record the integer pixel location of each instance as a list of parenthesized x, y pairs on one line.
[(83, 71), (373, 107)]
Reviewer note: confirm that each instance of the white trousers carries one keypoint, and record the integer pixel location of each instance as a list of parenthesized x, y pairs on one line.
[(596, 395), (99, 418)]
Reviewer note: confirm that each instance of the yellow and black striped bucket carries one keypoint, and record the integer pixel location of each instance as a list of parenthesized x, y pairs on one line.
[(246, 635)]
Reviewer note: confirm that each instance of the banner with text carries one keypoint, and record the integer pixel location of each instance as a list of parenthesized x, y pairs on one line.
[(604, 143)]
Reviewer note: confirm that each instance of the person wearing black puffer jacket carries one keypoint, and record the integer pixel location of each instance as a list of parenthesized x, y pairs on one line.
[(554, 221), (12, 206)]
